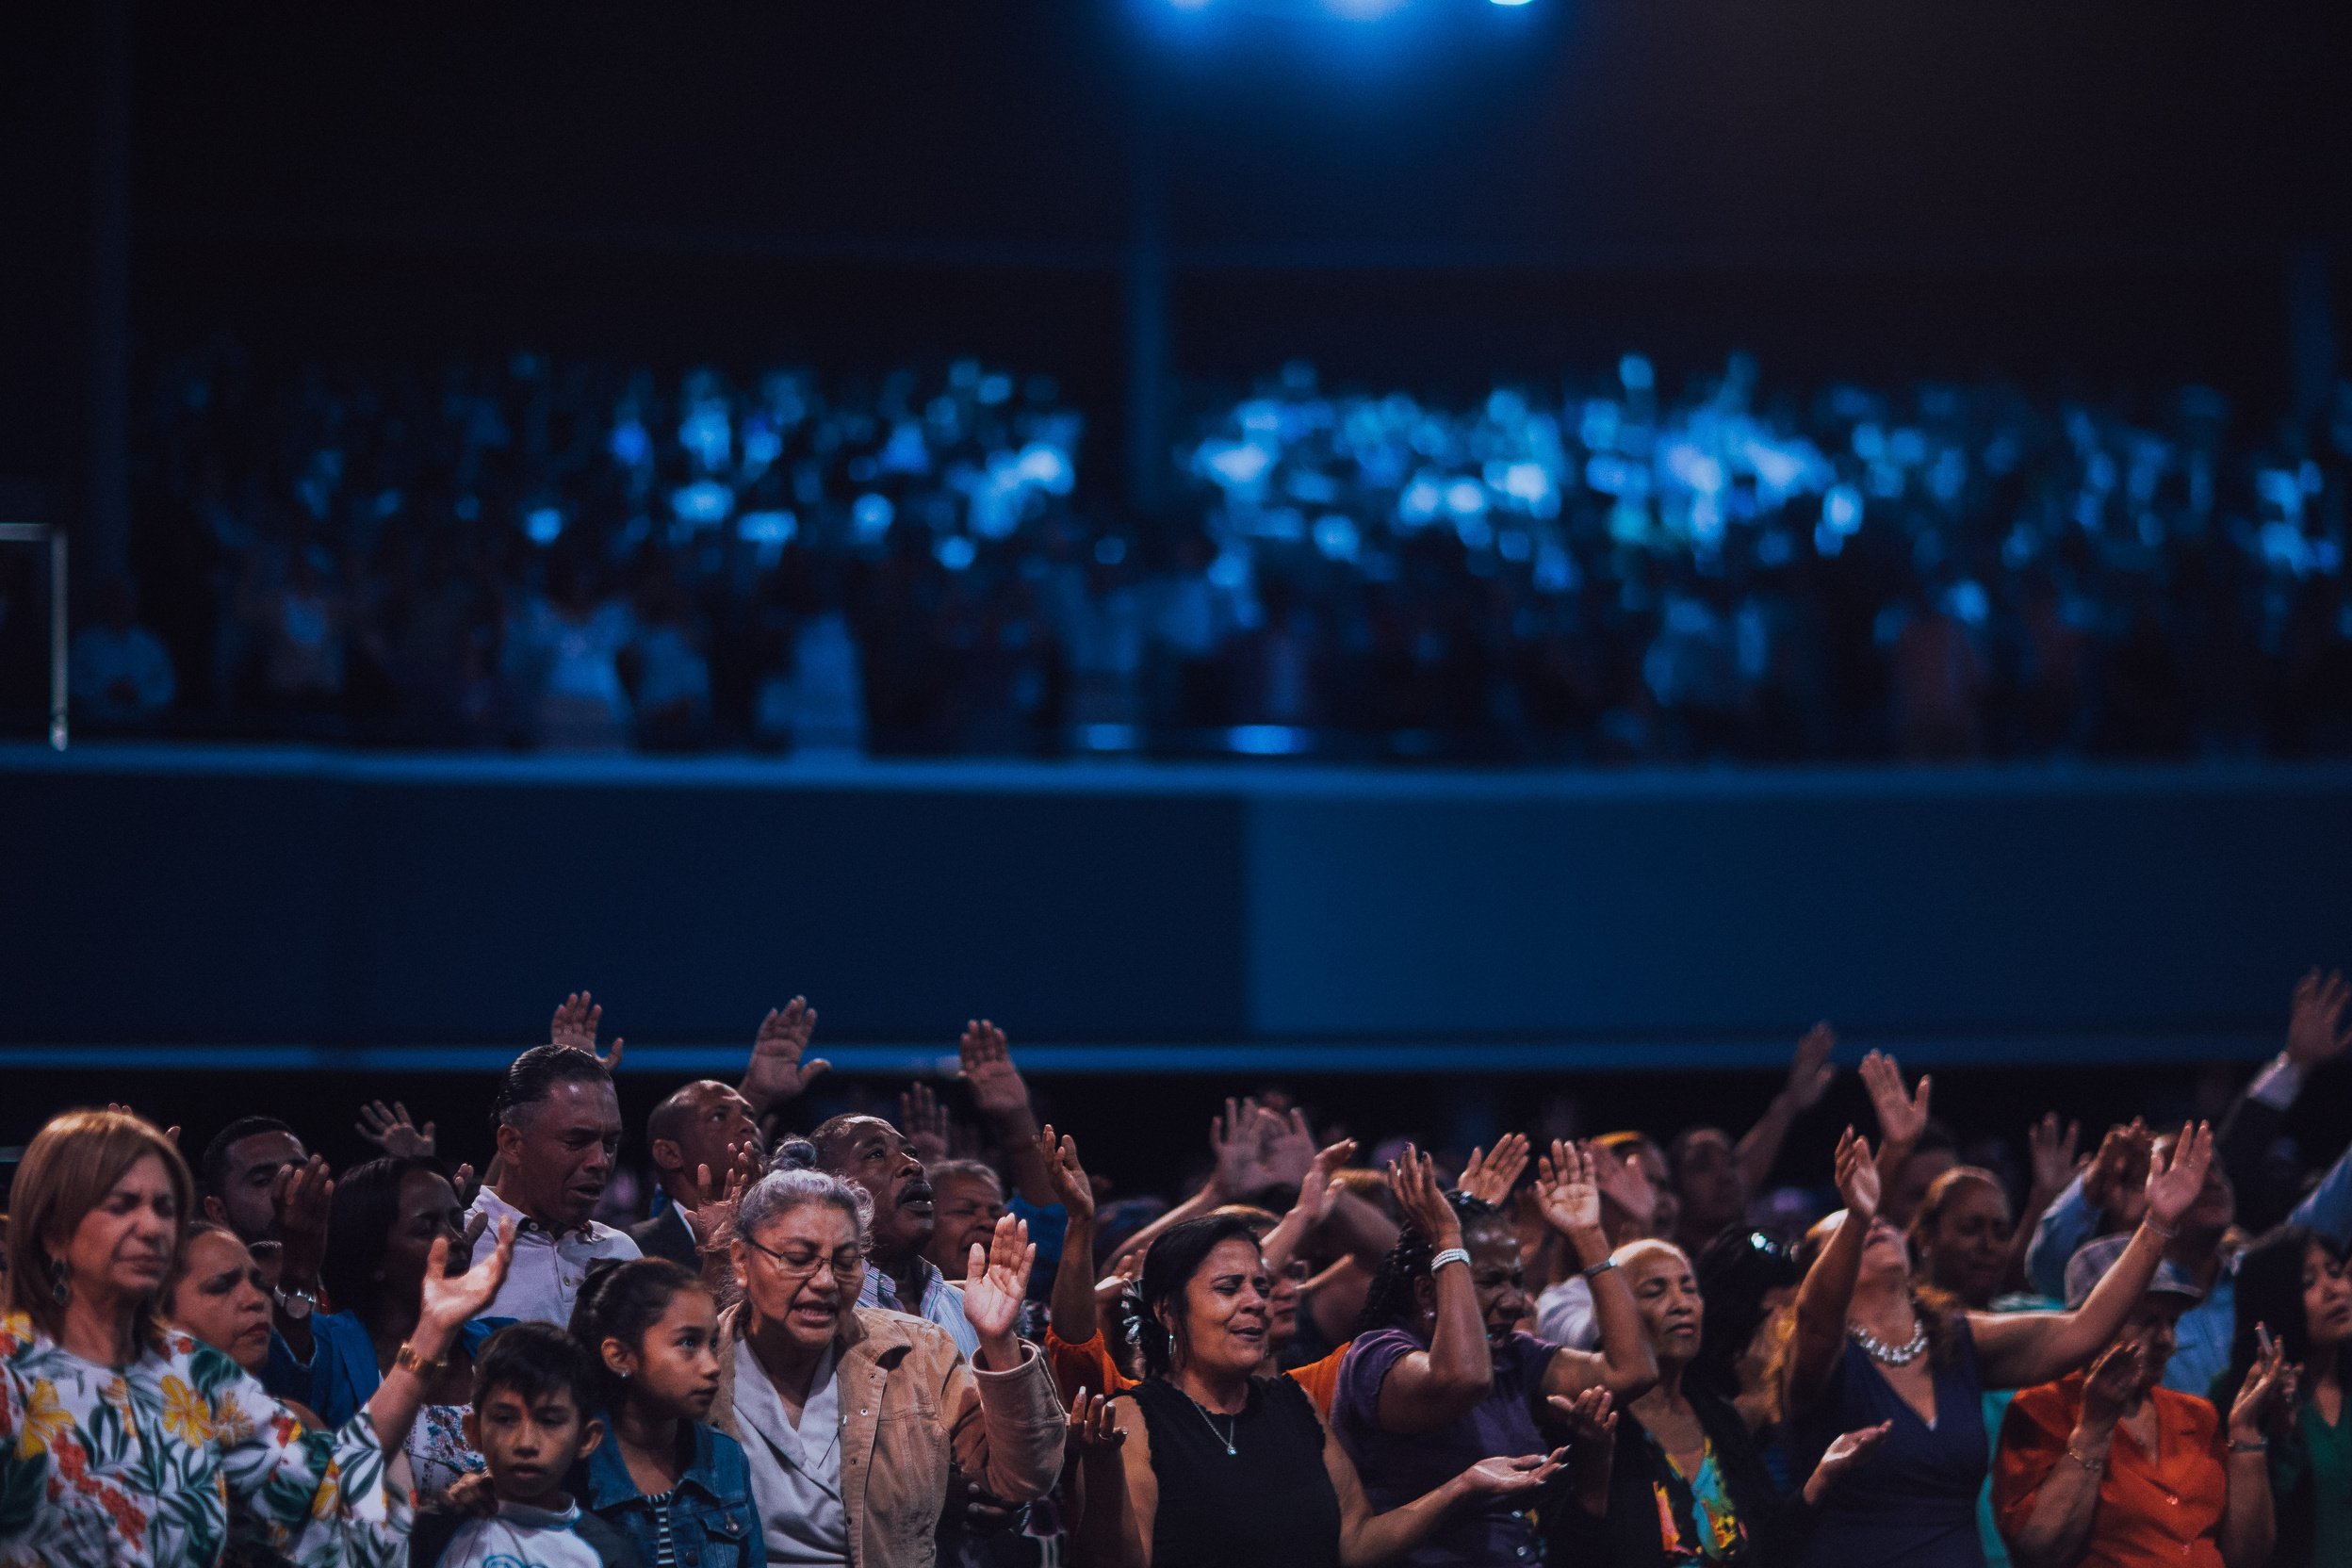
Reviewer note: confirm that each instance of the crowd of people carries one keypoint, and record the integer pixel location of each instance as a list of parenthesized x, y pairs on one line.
[(886, 1340), (563, 555)]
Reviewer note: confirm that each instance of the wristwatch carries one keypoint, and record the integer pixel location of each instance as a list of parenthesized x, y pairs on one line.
[(296, 1304)]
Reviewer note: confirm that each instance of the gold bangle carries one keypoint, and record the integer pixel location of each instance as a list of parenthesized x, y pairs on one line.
[(2093, 1466), (406, 1358)]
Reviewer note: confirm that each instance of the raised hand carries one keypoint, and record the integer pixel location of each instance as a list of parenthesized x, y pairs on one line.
[(1490, 1178), (1810, 1071), (1857, 1169), (1091, 1424), (1421, 1199), (453, 1298), (2117, 1179), (1124, 1276), (997, 1089), (2112, 1387), (302, 1198), (1502, 1477), (996, 1280), (388, 1128), (1591, 1416), (1288, 1151), (2267, 1394), (2051, 1150), (1235, 1138), (776, 1071), (1314, 1192), (1902, 1117), (577, 1019), (1072, 1188), (1568, 1189), (2174, 1182), (466, 1184), (927, 1124), (1847, 1454), (716, 1194), (2316, 1032)]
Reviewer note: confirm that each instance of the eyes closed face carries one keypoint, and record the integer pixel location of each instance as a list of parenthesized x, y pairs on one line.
[(2326, 1299), (563, 1150), (221, 1299), (968, 1209), (429, 1210), (1228, 1308), (124, 1246), (1667, 1293)]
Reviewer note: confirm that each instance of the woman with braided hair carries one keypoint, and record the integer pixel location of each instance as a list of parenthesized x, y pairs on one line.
[(1440, 1376)]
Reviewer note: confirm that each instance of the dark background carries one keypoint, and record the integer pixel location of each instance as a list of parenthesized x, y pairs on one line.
[(2094, 196)]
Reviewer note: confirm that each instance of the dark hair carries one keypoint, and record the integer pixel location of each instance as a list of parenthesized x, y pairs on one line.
[(621, 1301), (1390, 1298), (536, 1074), (535, 1360), (2270, 1293), (212, 1166), (1169, 1267), (366, 1207), (1735, 1272)]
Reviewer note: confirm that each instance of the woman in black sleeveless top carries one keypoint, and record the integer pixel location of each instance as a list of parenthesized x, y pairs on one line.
[(1211, 1468)]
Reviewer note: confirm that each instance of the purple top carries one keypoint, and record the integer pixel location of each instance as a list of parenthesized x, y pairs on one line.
[(1396, 1467)]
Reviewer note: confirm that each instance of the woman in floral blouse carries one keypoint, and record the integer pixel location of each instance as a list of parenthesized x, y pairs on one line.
[(124, 1444)]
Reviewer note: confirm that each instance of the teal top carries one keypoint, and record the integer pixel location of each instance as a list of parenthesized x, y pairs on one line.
[(2317, 1461)]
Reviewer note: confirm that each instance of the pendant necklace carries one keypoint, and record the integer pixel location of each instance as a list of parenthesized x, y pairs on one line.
[(1225, 1437)]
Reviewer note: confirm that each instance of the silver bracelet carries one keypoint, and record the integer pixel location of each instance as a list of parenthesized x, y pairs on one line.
[(1452, 1254)]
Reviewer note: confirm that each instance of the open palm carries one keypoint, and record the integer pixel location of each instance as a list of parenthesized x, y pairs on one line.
[(996, 1279), (453, 1298)]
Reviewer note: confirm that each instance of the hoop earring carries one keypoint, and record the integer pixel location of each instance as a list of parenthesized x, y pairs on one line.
[(61, 1282)]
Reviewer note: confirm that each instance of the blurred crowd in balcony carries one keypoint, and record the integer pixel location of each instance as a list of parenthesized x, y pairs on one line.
[(571, 556)]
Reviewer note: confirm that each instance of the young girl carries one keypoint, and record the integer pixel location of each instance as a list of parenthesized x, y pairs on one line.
[(676, 1486)]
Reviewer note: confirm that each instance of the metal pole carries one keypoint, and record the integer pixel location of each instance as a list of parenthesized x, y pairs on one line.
[(56, 640)]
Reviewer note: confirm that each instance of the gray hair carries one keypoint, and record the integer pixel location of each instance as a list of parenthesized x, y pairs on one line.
[(792, 1183)]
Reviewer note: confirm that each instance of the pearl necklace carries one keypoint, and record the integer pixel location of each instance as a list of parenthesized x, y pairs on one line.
[(1889, 1355)]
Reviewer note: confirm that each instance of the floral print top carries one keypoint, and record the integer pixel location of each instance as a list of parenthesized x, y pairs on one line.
[(143, 1467)]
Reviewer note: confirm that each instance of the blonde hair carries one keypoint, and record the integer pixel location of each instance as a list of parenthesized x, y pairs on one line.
[(67, 1170)]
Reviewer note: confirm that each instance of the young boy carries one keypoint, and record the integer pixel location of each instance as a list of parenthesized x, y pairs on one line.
[(533, 1389)]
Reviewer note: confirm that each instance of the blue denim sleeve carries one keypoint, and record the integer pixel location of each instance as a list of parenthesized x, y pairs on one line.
[(2066, 1225), (2327, 1208), (1047, 1227)]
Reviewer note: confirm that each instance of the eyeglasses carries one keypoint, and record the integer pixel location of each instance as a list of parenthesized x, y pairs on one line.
[(797, 1264)]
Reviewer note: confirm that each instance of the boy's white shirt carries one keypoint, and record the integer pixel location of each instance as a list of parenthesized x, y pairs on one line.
[(522, 1537)]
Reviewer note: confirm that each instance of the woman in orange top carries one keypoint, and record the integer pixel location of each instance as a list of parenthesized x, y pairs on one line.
[(1075, 1345), (2108, 1467)]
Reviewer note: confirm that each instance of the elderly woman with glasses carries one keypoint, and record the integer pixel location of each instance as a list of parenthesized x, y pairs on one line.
[(852, 1417)]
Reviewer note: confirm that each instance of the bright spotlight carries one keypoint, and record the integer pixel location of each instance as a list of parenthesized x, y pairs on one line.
[(1510, 2)]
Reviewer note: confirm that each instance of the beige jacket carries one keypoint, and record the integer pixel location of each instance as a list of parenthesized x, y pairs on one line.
[(912, 1407)]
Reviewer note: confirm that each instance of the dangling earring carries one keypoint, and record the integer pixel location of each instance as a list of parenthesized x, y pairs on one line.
[(61, 1283)]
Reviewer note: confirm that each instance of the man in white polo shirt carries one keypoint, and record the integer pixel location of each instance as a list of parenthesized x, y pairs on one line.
[(559, 1126)]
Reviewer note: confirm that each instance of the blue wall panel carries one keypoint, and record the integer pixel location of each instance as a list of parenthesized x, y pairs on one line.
[(271, 900)]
